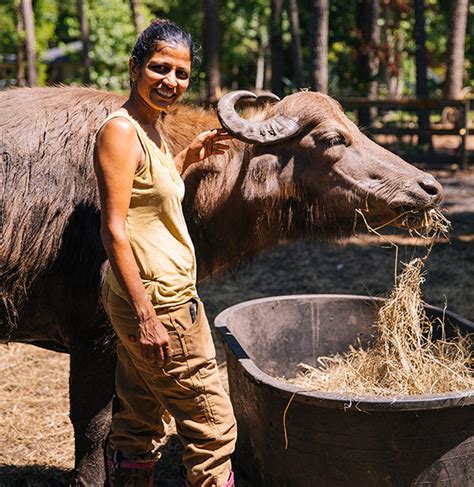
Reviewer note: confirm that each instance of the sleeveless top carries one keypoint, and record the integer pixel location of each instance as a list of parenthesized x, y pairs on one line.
[(156, 228)]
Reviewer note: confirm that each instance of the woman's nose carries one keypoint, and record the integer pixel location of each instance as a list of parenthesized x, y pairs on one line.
[(170, 79)]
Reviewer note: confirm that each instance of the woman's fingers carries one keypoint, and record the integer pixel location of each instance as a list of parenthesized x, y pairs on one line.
[(160, 356), (217, 134), (167, 354), (220, 146)]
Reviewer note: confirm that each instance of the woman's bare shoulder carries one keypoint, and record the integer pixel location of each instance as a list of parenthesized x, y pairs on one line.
[(117, 145), (117, 128)]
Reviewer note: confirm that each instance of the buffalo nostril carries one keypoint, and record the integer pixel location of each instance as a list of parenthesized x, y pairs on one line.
[(432, 187)]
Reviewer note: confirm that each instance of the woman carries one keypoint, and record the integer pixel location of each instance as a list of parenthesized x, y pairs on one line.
[(166, 358)]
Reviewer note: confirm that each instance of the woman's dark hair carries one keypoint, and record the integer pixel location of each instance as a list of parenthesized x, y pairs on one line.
[(165, 31)]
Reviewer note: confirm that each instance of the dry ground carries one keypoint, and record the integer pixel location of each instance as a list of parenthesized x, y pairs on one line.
[(36, 446)]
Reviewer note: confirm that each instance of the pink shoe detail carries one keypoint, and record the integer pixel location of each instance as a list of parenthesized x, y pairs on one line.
[(230, 480)]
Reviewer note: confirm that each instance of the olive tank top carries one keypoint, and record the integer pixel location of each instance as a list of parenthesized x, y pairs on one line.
[(156, 228)]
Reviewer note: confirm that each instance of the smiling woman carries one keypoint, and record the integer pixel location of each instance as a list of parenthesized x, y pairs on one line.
[(166, 358)]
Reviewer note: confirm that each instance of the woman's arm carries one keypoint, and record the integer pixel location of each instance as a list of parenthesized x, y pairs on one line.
[(204, 145), (117, 156)]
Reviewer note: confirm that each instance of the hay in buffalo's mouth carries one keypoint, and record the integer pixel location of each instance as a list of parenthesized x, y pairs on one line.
[(429, 223)]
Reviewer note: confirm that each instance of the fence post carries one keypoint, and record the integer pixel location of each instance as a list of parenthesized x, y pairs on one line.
[(464, 132)]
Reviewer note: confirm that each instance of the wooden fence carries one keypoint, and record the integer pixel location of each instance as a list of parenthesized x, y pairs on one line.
[(459, 108)]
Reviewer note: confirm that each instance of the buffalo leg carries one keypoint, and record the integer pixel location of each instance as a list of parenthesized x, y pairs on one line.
[(91, 392)]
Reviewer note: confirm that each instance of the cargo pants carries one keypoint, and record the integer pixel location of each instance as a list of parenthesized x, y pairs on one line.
[(189, 388)]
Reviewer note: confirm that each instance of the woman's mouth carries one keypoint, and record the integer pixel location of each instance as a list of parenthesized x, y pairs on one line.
[(168, 95)]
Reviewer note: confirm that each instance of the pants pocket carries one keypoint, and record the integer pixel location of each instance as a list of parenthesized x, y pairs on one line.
[(194, 336)]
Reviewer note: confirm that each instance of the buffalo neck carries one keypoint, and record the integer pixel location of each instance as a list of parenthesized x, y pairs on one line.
[(227, 231)]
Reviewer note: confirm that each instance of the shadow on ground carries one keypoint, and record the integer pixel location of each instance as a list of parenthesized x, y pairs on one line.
[(34, 476)]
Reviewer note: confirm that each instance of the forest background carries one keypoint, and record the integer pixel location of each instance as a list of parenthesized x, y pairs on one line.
[(374, 48)]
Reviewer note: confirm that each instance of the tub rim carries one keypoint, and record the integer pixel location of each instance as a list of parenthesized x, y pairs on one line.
[(329, 399)]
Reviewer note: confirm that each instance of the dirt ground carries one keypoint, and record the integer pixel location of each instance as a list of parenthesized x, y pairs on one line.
[(36, 436)]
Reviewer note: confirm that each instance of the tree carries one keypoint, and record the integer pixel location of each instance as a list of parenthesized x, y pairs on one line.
[(368, 33), (261, 54), (421, 68), (456, 40), (296, 51), (112, 36), (30, 42), (86, 61), (211, 42), (319, 44), (138, 20), (20, 51), (276, 46)]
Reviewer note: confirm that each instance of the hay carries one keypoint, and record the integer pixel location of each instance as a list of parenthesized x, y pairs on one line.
[(34, 409), (404, 359), (431, 225)]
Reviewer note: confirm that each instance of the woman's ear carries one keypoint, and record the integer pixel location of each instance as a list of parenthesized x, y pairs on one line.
[(133, 69)]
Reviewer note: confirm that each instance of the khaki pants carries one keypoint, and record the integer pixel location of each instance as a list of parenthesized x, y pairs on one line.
[(189, 388)]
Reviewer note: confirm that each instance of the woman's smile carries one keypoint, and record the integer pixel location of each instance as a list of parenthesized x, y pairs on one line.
[(165, 93)]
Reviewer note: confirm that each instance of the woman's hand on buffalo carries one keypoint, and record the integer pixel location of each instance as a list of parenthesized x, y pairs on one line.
[(208, 143), (154, 340)]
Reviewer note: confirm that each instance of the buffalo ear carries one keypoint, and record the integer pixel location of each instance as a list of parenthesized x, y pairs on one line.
[(261, 178)]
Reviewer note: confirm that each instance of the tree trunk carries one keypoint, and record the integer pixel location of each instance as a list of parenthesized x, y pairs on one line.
[(29, 23), (296, 51), (211, 43), (368, 29), (260, 74), (84, 24), (421, 68), (319, 44), (276, 42), (135, 7), (20, 52), (457, 36)]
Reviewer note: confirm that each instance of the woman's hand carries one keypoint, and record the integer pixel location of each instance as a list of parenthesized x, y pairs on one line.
[(204, 145), (154, 341)]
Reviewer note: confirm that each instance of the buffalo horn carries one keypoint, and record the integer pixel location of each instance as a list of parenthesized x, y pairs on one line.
[(276, 129)]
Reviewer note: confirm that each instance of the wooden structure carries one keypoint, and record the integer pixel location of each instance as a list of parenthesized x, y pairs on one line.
[(460, 127)]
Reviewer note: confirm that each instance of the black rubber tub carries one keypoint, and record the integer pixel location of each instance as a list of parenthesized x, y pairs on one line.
[(335, 440)]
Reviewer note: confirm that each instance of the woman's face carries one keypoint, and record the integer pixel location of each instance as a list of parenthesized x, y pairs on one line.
[(164, 77)]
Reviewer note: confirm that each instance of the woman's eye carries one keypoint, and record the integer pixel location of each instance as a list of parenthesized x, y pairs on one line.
[(160, 68), (182, 74)]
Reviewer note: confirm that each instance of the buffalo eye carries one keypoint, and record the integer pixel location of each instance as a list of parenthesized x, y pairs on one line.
[(329, 142)]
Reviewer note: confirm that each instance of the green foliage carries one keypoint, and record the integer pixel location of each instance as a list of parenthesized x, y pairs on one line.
[(111, 40), (246, 28), (9, 39), (244, 36)]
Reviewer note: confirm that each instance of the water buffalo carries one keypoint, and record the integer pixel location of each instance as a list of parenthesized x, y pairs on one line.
[(298, 168)]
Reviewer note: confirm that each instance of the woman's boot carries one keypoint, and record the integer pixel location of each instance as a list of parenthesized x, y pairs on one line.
[(125, 473)]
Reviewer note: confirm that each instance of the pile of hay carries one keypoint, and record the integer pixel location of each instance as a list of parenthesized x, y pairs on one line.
[(403, 360)]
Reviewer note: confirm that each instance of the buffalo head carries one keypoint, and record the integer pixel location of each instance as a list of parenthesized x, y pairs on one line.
[(307, 154)]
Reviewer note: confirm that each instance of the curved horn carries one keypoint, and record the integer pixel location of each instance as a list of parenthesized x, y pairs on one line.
[(276, 129), (266, 97)]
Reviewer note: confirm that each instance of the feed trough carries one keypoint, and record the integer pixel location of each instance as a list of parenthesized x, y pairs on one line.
[(335, 439)]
